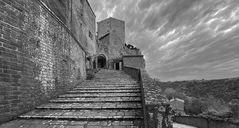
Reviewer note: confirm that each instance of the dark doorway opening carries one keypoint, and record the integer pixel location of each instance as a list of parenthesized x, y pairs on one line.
[(101, 61), (117, 67)]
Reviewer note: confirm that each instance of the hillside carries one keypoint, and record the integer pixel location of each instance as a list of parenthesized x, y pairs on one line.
[(225, 89), (206, 97)]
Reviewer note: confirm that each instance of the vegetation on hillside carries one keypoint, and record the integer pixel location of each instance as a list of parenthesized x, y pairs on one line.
[(206, 97)]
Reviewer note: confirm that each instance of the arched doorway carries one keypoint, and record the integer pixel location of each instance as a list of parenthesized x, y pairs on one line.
[(101, 63)]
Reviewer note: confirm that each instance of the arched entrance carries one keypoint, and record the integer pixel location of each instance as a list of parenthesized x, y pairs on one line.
[(101, 63)]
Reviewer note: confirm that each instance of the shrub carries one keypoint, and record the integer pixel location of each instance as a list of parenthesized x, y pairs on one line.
[(193, 106)]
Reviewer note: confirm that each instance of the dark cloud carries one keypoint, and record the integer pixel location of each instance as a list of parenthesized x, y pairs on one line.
[(181, 39)]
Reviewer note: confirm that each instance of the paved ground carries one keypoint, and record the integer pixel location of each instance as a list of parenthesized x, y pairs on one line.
[(111, 100)]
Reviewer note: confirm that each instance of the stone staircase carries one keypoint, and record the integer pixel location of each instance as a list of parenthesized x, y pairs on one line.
[(111, 100)]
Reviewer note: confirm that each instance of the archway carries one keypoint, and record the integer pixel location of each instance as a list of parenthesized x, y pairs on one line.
[(101, 61)]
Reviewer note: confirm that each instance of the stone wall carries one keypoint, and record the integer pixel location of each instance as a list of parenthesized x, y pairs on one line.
[(39, 57), (102, 45), (83, 25), (116, 30), (89, 28), (158, 112), (103, 27), (61, 8), (151, 91), (134, 61)]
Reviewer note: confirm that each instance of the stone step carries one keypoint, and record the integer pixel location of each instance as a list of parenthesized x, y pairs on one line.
[(97, 100), (90, 106), (103, 91), (37, 123), (114, 82), (108, 84), (107, 88), (102, 95), (115, 78), (84, 114)]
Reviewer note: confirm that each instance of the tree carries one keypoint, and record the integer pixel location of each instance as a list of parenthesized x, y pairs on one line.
[(170, 93)]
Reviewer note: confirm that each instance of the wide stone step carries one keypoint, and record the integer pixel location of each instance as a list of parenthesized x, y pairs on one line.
[(84, 114), (95, 100), (115, 81), (103, 95), (37, 123), (107, 77), (115, 78), (103, 91), (89, 106), (107, 88)]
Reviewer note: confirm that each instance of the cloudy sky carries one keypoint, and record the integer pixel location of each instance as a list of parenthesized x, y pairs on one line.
[(181, 39)]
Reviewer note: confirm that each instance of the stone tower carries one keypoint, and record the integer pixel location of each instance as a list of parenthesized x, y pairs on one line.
[(115, 30), (111, 46)]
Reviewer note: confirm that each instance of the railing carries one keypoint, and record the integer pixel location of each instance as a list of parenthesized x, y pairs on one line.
[(136, 74)]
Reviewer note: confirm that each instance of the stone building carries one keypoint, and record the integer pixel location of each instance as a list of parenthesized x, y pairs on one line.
[(177, 105), (44, 45), (111, 46)]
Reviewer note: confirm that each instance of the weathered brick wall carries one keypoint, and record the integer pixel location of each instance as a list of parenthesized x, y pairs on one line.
[(90, 28), (83, 23), (39, 59)]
